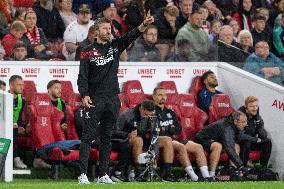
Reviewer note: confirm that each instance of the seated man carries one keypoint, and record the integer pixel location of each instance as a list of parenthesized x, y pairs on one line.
[(128, 123), (170, 126), (182, 53), (265, 64), (16, 84), (144, 48), (54, 92), (258, 139), (19, 51), (227, 133), (210, 83)]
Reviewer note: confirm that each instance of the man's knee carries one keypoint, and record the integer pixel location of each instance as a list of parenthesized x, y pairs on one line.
[(165, 142), (136, 142), (216, 147)]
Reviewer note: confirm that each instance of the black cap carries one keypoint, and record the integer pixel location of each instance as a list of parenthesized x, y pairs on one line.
[(84, 8)]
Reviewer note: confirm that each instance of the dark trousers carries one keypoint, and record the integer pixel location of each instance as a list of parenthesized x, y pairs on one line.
[(101, 117), (264, 148), (15, 143), (124, 154)]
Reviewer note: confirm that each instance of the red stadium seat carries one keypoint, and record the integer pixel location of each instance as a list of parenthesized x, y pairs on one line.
[(220, 107), (66, 90), (23, 3), (192, 118), (171, 91), (196, 87), (123, 105), (134, 93), (29, 90)]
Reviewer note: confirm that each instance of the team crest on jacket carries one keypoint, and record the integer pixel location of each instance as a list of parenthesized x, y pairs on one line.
[(169, 115)]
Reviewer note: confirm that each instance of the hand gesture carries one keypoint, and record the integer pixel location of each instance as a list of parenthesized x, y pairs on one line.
[(87, 101), (148, 20)]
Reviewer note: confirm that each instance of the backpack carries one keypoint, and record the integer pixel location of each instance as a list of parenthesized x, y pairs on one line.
[(263, 174)]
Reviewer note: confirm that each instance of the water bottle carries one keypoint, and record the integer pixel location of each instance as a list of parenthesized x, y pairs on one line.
[(131, 175)]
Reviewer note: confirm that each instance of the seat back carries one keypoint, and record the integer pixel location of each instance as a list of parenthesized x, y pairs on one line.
[(171, 91), (192, 118), (134, 93), (41, 120), (29, 91), (75, 102), (220, 107), (196, 87), (123, 105), (66, 90)]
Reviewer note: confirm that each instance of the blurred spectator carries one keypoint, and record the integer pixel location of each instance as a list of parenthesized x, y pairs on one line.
[(262, 3), (165, 20), (246, 42), (193, 32), (49, 20), (89, 40), (182, 52), (34, 38), (16, 84), (76, 32), (16, 32), (229, 50), (19, 51), (4, 8), (243, 16), (210, 82), (54, 93), (66, 12), (265, 13), (278, 38), (2, 85), (20, 14), (205, 13), (2, 53), (144, 48), (185, 7), (4, 29), (227, 6), (236, 28), (214, 12), (265, 64), (278, 8), (215, 27), (258, 32), (137, 10)]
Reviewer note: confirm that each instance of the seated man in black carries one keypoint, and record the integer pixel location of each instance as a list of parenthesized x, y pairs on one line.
[(210, 82), (128, 125), (54, 92), (258, 138)]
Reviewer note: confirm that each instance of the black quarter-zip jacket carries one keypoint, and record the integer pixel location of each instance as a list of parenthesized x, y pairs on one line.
[(98, 66)]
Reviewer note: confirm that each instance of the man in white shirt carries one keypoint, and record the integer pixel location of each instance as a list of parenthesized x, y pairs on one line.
[(77, 31)]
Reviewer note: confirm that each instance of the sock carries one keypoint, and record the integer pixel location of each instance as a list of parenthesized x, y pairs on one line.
[(167, 168), (212, 173), (204, 171), (191, 173), (117, 172)]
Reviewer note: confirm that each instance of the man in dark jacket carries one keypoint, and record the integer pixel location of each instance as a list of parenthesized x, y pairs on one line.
[(226, 132), (134, 124), (258, 138), (98, 86), (49, 20)]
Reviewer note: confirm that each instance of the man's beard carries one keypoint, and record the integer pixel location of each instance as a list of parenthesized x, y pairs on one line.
[(48, 5), (213, 85), (85, 22), (106, 38)]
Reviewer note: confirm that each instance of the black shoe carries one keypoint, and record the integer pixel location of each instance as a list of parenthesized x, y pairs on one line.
[(207, 179), (169, 178), (118, 178)]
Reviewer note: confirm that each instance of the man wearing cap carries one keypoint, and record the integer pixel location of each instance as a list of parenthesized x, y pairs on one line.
[(98, 86), (77, 31)]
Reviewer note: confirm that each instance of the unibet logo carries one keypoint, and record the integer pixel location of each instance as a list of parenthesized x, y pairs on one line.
[(188, 104), (43, 103), (169, 91), (135, 91), (223, 105)]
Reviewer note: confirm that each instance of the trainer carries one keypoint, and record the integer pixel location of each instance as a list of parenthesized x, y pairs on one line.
[(98, 86)]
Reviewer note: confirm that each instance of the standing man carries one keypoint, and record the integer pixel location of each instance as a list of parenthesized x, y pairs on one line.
[(258, 138), (98, 86)]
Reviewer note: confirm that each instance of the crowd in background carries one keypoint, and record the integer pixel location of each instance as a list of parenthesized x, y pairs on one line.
[(245, 33)]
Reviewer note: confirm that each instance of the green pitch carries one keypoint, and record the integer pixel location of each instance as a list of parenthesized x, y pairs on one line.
[(70, 184)]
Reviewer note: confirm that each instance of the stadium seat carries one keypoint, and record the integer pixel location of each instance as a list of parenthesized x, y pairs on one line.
[(134, 93), (171, 91), (123, 105), (192, 118), (66, 90), (29, 90), (220, 107), (196, 87)]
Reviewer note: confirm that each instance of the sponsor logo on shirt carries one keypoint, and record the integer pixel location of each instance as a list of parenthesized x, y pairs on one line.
[(166, 123)]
